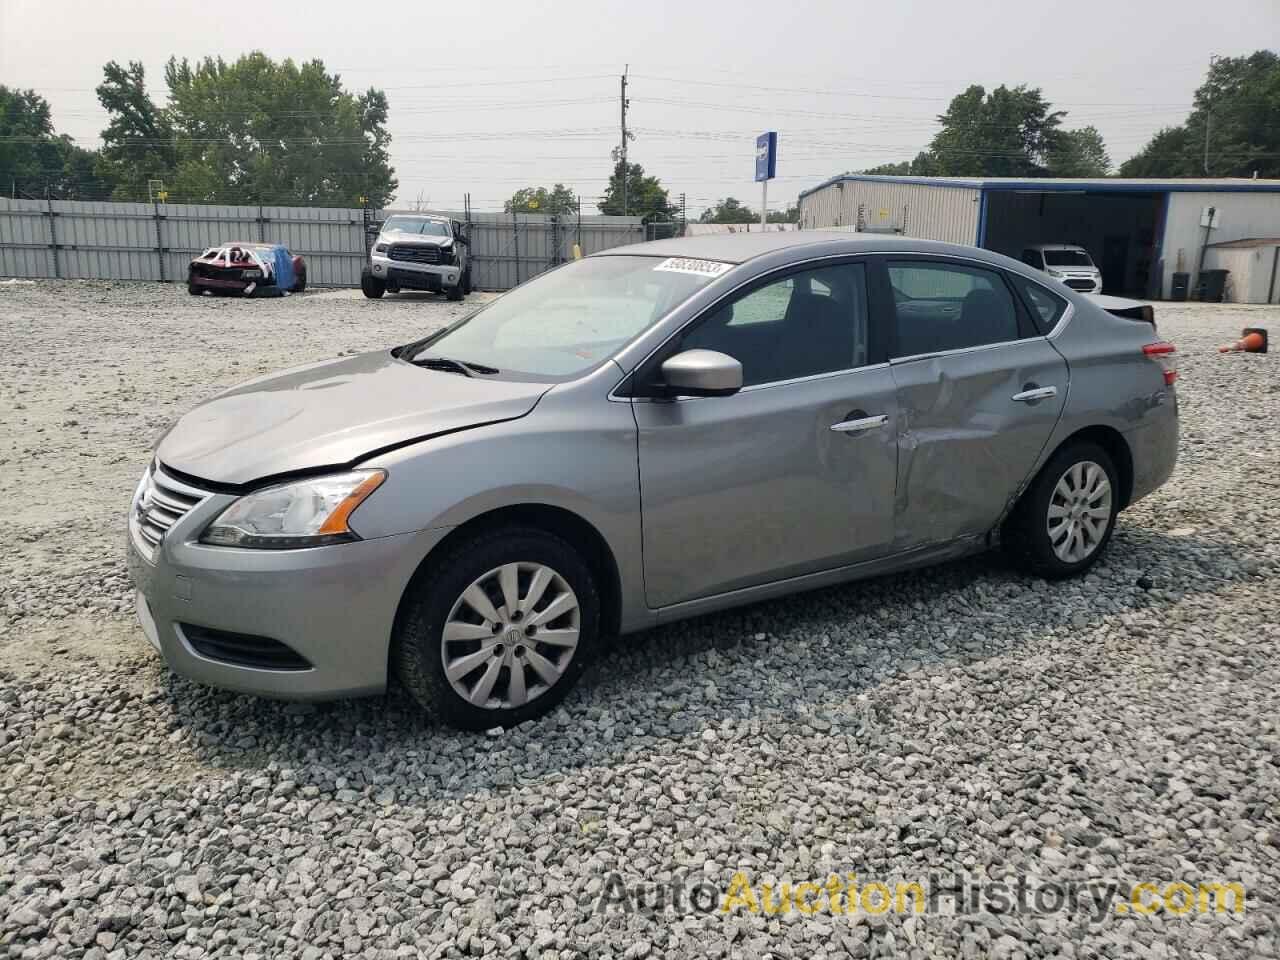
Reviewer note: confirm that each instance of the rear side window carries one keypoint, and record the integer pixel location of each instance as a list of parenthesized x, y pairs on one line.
[(1047, 308), (946, 306)]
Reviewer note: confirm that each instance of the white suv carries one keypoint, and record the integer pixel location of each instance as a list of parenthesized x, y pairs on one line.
[(1070, 264), (419, 252)]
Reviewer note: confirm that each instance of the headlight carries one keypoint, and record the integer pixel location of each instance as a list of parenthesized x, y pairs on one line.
[(380, 248), (304, 513), (1054, 273)]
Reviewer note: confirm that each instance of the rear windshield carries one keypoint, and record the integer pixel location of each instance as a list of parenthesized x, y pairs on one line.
[(421, 225), (567, 320), (1067, 258)]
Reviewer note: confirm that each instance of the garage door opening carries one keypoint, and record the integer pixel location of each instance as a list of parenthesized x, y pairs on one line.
[(1119, 230)]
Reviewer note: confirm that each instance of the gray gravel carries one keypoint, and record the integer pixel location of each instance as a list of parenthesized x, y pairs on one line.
[(960, 720)]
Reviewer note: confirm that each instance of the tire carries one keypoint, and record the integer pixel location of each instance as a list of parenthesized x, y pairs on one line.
[(466, 280), (371, 286), (192, 288), (455, 293), (419, 650), (301, 283), (1069, 482)]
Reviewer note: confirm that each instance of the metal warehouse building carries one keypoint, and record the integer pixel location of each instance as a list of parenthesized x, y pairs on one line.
[(1139, 232)]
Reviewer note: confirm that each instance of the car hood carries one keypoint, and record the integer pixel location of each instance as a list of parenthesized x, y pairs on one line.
[(331, 414)]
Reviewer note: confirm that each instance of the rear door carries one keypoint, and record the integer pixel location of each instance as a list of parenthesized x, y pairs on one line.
[(979, 391)]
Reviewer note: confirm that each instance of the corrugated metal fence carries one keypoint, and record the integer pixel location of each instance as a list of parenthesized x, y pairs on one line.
[(140, 241)]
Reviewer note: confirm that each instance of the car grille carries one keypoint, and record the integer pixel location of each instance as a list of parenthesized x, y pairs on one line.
[(415, 254), (243, 649), (1079, 283), (163, 502)]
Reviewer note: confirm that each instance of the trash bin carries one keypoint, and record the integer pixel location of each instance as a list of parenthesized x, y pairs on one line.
[(1181, 286), (1212, 285)]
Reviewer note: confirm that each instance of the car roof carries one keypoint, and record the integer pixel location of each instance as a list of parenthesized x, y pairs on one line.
[(1056, 246), (741, 247)]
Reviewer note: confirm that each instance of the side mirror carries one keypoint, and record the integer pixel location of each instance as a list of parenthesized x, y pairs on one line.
[(702, 373)]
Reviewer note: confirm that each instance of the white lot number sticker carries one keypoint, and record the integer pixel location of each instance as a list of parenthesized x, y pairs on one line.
[(700, 268)]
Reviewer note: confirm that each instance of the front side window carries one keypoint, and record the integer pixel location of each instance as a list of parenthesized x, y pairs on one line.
[(946, 306), (569, 319), (808, 323)]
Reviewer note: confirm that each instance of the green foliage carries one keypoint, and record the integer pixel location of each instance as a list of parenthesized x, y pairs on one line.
[(260, 131), (34, 159), (729, 210), (138, 144), (1006, 133), (646, 197), (559, 200), (1079, 153), (1240, 104), (1009, 132), (790, 215)]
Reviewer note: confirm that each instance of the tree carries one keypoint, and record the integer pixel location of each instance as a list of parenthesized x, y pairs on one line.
[(1239, 105), (138, 144), (729, 210), (1079, 153), (559, 200), (1009, 132), (34, 159), (252, 131), (646, 197), (789, 215)]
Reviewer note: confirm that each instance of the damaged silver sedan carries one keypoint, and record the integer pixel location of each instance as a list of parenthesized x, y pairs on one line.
[(651, 433)]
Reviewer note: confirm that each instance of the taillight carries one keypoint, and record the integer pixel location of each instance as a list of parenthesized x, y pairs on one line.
[(1162, 352)]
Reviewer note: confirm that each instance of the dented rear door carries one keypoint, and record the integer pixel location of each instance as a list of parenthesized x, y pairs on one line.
[(973, 418)]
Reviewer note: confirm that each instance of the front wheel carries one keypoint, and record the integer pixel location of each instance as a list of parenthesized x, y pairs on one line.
[(300, 283), (455, 293), (499, 630), (1066, 517), (193, 288), (371, 286)]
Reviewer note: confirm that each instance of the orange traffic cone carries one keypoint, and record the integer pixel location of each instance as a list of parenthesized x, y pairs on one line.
[(1252, 340)]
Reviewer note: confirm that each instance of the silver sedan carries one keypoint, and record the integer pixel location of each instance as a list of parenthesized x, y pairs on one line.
[(651, 433)]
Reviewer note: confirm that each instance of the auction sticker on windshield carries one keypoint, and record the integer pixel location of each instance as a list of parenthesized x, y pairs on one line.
[(700, 268)]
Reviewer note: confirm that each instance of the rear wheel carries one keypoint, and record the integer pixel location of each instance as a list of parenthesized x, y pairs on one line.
[(500, 630), (371, 286), (300, 284), (1065, 519), (192, 287)]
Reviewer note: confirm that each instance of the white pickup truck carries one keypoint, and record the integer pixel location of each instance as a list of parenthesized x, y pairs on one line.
[(419, 252)]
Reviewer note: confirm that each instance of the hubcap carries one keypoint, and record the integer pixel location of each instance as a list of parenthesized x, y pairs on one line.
[(510, 636), (1079, 511)]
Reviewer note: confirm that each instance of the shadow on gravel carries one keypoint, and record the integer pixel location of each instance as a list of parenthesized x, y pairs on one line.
[(803, 659)]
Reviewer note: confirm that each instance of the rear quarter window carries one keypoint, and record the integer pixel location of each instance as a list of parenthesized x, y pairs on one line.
[(1045, 306)]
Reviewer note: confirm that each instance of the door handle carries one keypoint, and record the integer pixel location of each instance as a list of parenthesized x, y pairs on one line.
[(1035, 393), (861, 424)]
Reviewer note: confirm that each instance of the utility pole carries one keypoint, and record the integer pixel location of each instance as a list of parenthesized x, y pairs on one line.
[(625, 171), (1208, 113)]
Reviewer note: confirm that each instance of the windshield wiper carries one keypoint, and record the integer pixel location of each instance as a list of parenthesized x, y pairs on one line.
[(464, 367)]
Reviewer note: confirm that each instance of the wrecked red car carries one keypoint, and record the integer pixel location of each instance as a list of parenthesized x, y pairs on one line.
[(249, 269)]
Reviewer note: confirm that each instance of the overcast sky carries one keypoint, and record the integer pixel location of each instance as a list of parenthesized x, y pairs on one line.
[(487, 97)]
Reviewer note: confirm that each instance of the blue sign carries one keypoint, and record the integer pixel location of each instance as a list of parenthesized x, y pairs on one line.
[(766, 156)]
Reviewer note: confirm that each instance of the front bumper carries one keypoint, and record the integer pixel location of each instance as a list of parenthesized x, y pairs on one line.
[(335, 606), (415, 276)]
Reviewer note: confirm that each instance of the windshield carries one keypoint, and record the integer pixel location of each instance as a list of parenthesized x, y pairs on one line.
[(569, 319), (1067, 258), (422, 225)]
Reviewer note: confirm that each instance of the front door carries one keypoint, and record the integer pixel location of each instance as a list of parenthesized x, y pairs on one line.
[(979, 392), (792, 475)]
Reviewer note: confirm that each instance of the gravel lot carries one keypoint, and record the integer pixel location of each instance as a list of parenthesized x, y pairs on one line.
[(961, 720)]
